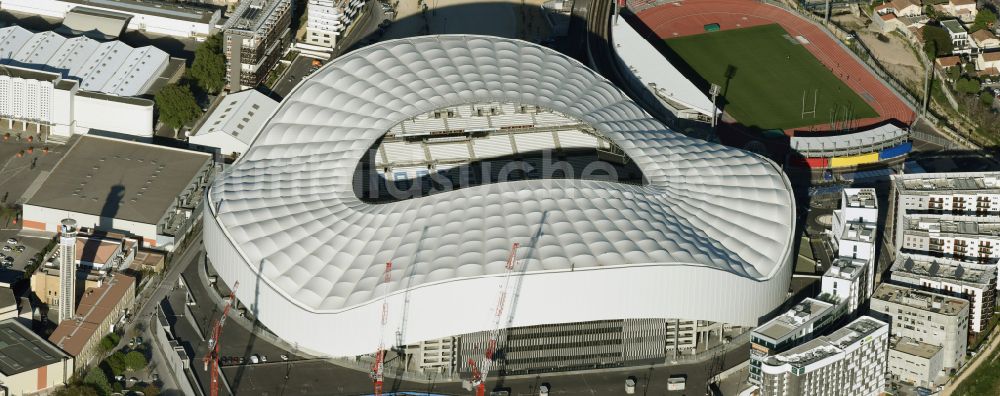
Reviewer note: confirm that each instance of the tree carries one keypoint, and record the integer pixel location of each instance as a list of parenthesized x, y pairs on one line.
[(135, 360), (967, 85), (116, 363), (986, 98), (109, 342), (985, 19), (77, 390), (151, 390), (937, 42), (177, 105), (96, 378), (970, 69), (209, 66), (954, 73)]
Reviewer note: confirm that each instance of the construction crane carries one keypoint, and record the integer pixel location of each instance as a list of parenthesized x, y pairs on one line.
[(212, 357), (479, 374), (377, 373)]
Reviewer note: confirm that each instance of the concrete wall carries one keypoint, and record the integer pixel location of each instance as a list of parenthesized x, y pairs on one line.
[(129, 119), (40, 378), (47, 219), (173, 362)]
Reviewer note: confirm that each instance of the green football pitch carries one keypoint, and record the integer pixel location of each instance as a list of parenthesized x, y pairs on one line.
[(764, 74)]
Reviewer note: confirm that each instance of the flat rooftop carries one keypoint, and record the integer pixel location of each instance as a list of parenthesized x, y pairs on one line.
[(913, 347), (95, 306), (119, 179), (825, 346), (860, 198), (251, 15), (953, 26), (7, 298), (951, 225), (785, 325), (153, 7), (846, 268), (942, 268), (22, 350), (927, 301), (938, 183)]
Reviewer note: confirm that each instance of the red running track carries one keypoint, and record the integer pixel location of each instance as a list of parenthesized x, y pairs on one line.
[(689, 17)]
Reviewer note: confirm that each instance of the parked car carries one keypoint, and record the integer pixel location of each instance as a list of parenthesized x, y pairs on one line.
[(7, 248), (11, 241), (19, 248)]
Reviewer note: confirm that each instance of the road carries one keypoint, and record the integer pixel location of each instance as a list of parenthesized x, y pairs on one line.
[(299, 69)]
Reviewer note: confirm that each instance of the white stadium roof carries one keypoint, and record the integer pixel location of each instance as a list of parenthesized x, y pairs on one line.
[(112, 67), (708, 236)]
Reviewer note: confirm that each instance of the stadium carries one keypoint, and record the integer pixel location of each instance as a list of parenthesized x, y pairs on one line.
[(305, 221), (785, 81)]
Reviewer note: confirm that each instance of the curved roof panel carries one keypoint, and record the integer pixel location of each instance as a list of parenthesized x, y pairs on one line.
[(289, 207)]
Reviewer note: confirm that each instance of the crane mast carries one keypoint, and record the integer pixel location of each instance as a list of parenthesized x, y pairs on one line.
[(211, 359), (377, 373), (479, 374)]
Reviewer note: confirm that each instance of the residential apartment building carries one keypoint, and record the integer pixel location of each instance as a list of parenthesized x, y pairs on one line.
[(925, 316), (854, 237), (851, 361), (328, 19), (966, 238), (966, 193), (98, 313), (256, 36), (788, 330), (914, 362), (964, 10), (846, 280), (975, 283), (960, 42)]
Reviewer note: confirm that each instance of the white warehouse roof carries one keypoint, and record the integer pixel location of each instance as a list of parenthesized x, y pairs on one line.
[(708, 236), (240, 115), (112, 67)]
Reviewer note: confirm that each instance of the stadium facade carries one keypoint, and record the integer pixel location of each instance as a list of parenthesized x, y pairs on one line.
[(689, 229)]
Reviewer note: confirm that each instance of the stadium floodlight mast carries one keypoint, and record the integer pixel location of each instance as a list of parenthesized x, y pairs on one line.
[(714, 91)]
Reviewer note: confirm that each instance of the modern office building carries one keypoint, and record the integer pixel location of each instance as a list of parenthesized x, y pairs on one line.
[(232, 126), (851, 361), (926, 317), (309, 237), (798, 325), (100, 311), (153, 193), (256, 36), (976, 283), (147, 16), (29, 363), (67, 269), (914, 362), (327, 19)]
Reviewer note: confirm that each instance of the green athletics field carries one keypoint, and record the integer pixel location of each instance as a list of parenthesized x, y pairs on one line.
[(763, 72)]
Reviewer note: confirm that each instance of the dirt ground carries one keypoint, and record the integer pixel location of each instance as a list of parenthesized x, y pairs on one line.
[(506, 18), (896, 55)]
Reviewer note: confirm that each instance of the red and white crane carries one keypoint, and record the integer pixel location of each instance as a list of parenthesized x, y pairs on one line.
[(377, 372), (479, 373), (212, 357)]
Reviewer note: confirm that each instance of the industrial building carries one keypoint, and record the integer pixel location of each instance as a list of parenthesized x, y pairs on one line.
[(149, 192), (926, 317), (326, 20), (975, 283), (98, 313), (850, 361), (256, 36), (29, 363), (95, 256), (110, 67), (800, 324), (621, 253), (234, 123), (147, 16)]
